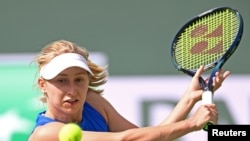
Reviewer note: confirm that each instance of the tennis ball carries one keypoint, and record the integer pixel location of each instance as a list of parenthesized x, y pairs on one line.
[(70, 132)]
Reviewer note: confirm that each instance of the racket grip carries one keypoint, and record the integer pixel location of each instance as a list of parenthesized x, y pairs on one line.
[(207, 98), (205, 128)]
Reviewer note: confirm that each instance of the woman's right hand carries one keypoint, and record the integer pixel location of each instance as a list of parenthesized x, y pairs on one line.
[(203, 115)]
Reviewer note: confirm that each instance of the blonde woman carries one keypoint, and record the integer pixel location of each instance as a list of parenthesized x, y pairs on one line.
[(67, 79)]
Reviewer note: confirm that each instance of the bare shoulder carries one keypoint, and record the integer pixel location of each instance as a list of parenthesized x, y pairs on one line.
[(97, 100), (46, 132), (101, 104), (109, 113)]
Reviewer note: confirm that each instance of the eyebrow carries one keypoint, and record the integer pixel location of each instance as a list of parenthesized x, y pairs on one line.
[(80, 73)]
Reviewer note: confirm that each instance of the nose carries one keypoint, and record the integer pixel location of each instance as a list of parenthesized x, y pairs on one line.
[(71, 90)]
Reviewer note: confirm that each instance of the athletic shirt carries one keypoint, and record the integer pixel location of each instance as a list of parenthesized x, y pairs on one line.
[(92, 120)]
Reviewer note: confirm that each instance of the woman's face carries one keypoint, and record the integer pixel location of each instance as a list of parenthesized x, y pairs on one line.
[(67, 92)]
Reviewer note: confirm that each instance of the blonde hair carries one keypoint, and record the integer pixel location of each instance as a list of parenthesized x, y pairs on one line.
[(62, 46)]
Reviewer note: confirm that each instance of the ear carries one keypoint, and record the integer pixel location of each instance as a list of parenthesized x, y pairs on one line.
[(41, 83)]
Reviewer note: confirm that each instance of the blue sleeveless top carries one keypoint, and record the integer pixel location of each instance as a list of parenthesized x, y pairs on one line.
[(92, 120)]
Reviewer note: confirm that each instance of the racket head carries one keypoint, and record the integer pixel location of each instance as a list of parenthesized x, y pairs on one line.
[(208, 39)]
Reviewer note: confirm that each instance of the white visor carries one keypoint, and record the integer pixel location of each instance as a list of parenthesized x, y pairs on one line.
[(62, 62)]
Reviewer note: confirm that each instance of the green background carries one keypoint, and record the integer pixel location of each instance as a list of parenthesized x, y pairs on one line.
[(135, 35), (19, 101)]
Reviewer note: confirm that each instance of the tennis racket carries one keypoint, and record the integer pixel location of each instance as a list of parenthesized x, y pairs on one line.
[(208, 39)]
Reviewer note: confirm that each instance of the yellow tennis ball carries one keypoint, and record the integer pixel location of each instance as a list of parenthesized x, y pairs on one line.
[(70, 132)]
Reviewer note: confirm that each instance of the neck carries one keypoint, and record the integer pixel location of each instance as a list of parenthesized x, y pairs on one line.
[(65, 117)]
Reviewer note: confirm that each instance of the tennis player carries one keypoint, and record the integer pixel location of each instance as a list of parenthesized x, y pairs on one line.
[(69, 83)]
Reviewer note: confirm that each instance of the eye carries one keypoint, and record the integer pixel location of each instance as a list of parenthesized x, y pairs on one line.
[(62, 80), (79, 79)]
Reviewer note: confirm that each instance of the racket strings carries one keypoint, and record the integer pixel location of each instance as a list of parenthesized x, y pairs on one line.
[(205, 40)]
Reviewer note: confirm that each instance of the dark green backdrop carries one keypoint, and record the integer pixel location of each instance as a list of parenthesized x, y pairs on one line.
[(135, 34)]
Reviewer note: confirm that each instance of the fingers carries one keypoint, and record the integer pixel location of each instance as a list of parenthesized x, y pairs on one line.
[(212, 113), (226, 74), (204, 114), (219, 77), (199, 72)]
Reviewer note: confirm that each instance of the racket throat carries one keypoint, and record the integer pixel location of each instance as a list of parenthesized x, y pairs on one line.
[(207, 97)]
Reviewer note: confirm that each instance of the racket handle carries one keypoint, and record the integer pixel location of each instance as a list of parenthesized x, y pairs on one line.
[(205, 128), (207, 98)]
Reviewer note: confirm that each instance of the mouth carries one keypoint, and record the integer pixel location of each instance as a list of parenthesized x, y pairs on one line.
[(71, 101)]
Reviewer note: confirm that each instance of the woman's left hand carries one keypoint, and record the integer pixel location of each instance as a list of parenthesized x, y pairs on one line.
[(218, 79), (194, 90)]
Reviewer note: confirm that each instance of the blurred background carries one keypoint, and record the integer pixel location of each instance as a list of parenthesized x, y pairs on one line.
[(132, 36)]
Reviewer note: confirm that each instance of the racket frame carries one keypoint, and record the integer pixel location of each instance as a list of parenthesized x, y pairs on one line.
[(207, 96)]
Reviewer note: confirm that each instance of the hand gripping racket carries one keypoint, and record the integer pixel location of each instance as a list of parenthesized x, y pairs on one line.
[(208, 39)]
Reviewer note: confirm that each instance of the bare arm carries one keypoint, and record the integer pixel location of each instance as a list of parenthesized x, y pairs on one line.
[(157, 133), (204, 113), (50, 132), (193, 95), (168, 132)]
